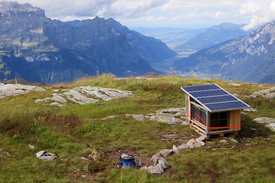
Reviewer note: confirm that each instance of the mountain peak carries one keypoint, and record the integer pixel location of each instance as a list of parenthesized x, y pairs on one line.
[(14, 6)]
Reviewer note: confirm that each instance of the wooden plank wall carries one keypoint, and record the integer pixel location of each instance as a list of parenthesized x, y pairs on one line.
[(235, 120), (187, 107)]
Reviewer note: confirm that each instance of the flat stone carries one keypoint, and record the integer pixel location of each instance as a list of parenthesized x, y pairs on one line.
[(223, 141), (264, 120), (234, 140), (191, 145), (198, 144), (183, 146), (58, 98), (202, 138), (271, 126), (166, 152), (193, 141), (139, 117), (58, 104), (250, 110), (109, 117)]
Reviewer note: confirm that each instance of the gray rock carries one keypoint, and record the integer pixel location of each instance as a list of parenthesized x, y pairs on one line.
[(58, 98), (191, 145), (158, 169), (183, 146), (202, 138), (264, 120), (223, 141), (86, 94), (175, 149), (234, 140), (200, 142), (155, 158), (268, 93), (271, 126), (58, 104), (250, 110), (197, 144), (139, 117), (8, 90), (166, 152), (109, 117)]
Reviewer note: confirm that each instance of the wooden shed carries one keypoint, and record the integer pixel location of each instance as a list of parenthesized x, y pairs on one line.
[(211, 110)]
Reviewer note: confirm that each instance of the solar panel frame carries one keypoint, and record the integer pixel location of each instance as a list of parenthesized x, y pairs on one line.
[(214, 98)]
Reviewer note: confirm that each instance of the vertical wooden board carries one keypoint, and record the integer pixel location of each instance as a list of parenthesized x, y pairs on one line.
[(235, 120), (187, 108)]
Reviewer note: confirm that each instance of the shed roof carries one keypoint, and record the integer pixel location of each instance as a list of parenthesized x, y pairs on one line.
[(214, 98)]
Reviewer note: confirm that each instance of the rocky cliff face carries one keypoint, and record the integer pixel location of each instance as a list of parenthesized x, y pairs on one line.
[(249, 58), (43, 50)]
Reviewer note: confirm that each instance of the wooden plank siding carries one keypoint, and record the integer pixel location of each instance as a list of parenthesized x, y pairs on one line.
[(235, 120), (187, 108)]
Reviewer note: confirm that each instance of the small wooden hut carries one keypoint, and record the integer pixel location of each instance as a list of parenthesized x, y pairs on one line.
[(211, 110)]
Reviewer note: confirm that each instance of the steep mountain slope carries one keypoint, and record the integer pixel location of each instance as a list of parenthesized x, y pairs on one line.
[(212, 36), (172, 37), (249, 58), (43, 50), (149, 48)]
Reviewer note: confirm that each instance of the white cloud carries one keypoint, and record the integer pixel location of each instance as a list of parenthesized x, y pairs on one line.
[(218, 14), (259, 12), (167, 11)]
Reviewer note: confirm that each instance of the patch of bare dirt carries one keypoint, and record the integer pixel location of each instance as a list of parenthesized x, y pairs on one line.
[(114, 154)]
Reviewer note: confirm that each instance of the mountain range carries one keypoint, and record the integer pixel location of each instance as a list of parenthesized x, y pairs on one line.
[(39, 49), (249, 58), (213, 36)]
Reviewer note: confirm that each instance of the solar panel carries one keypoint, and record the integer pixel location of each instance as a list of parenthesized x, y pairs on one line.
[(208, 93), (217, 99), (214, 98), (201, 87), (226, 105)]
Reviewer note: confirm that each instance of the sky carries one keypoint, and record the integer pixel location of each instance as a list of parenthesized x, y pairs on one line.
[(163, 13)]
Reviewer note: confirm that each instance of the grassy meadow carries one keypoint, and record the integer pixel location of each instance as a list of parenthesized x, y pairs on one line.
[(76, 130)]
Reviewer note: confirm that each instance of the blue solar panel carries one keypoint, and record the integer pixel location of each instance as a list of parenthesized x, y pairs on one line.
[(214, 98), (217, 99), (226, 105), (208, 93), (201, 88)]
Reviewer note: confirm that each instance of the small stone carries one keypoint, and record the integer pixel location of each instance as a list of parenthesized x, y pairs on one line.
[(166, 152), (202, 138), (183, 146), (191, 145), (200, 142), (248, 145), (192, 141), (197, 144), (234, 140), (175, 149), (223, 141)]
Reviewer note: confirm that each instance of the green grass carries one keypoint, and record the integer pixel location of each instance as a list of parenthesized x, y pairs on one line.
[(71, 131)]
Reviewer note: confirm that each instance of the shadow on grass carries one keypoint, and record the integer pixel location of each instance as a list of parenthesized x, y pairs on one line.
[(251, 129)]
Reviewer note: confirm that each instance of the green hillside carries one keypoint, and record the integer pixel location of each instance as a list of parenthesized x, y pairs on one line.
[(75, 131)]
